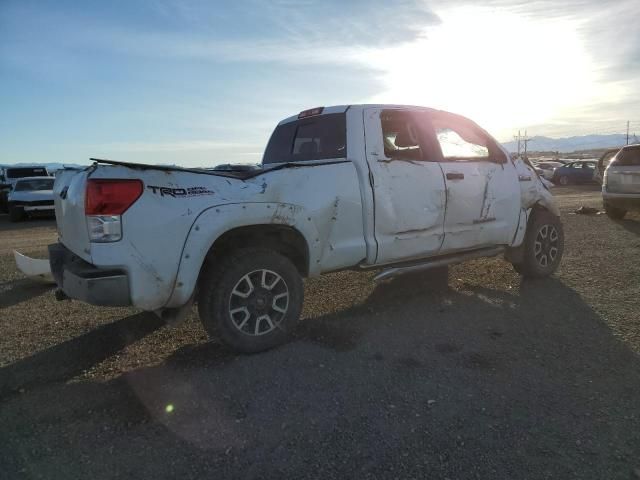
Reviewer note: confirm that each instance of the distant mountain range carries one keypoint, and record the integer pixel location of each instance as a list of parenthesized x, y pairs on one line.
[(537, 144), (51, 167), (573, 144)]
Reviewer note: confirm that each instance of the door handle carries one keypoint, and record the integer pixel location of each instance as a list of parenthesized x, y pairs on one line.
[(455, 176)]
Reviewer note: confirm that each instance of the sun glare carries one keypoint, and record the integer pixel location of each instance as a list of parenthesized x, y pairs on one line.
[(501, 69)]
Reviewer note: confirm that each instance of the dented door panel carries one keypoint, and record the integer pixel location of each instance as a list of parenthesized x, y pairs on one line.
[(483, 204), (409, 200)]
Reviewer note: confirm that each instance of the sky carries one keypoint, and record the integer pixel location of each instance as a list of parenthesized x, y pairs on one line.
[(198, 83)]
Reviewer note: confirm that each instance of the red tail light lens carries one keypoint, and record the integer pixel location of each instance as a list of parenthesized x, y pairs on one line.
[(111, 197)]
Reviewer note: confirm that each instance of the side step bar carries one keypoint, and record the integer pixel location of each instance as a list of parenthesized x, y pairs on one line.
[(438, 262)]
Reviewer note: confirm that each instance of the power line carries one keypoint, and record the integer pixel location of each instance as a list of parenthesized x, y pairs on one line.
[(522, 140)]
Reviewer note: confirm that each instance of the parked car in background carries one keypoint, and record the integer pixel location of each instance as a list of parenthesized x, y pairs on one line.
[(10, 175), (30, 196), (582, 171), (603, 163), (546, 169), (621, 182)]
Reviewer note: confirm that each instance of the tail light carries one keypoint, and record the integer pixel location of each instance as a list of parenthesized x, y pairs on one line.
[(111, 197), (105, 202)]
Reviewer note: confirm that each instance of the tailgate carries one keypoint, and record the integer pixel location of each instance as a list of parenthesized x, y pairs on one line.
[(68, 196), (623, 179)]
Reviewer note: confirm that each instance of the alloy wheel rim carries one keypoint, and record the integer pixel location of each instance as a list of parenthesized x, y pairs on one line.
[(545, 247), (259, 302)]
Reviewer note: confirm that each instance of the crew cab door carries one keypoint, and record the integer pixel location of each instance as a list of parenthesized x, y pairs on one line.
[(408, 186), (483, 191)]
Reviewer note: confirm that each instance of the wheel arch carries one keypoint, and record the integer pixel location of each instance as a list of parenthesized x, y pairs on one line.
[(284, 239), (285, 228), (514, 254)]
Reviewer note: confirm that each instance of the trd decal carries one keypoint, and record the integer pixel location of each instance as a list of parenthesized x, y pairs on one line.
[(180, 192)]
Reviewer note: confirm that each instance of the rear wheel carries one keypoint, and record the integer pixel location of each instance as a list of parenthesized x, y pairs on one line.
[(543, 245), (16, 214), (614, 213), (252, 298)]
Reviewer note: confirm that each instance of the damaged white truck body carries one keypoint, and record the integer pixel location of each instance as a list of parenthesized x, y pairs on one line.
[(389, 187)]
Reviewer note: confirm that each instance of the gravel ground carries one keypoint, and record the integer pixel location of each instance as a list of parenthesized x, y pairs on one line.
[(488, 377)]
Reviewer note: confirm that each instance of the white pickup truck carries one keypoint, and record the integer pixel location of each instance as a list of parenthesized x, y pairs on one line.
[(387, 187)]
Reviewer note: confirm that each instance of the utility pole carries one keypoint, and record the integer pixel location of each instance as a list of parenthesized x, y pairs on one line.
[(627, 132), (518, 139), (526, 140), (522, 140)]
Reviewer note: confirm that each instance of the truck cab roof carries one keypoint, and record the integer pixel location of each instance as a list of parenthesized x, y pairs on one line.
[(343, 108)]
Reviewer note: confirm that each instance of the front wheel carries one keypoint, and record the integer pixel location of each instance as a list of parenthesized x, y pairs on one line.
[(564, 180), (543, 245), (252, 298)]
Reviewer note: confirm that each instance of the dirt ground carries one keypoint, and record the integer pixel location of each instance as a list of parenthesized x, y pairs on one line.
[(488, 377)]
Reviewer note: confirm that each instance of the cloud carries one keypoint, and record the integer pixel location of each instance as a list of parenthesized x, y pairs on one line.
[(160, 58), (181, 146)]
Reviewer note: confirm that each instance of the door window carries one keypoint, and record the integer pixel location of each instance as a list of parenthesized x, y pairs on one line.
[(461, 140), (401, 135), (455, 147)]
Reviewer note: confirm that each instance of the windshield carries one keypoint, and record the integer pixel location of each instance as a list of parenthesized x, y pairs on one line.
[(31, 185)]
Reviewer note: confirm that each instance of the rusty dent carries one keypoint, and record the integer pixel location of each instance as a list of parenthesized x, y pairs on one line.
[(285, 214)]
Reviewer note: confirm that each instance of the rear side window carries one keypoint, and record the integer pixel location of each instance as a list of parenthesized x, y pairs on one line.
[(316, 138), (628, 156)]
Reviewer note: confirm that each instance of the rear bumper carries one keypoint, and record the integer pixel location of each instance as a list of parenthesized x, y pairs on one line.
[(627, 201), (83, 281)]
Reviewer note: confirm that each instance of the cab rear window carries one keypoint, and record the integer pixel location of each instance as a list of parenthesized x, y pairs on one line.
[(315, 138)]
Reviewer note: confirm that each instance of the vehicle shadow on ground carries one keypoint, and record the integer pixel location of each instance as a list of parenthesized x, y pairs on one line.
[(64, 361), (469, 382), (21, 290), (631, 225), (36, 222)]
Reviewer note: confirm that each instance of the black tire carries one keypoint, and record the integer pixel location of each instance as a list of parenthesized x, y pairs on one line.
[(16, 214), (564, 180), (614, 213), (4, 206), (543, 245), (223, 307)]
